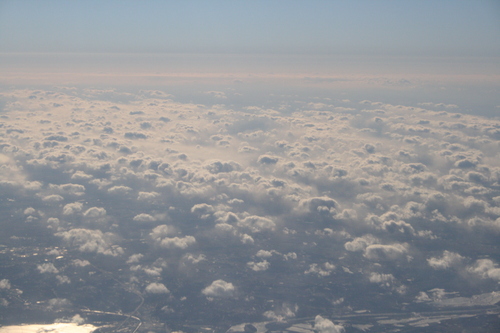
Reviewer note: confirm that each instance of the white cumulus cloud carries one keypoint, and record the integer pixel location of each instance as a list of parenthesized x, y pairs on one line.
[(157, 288), (219, 288)]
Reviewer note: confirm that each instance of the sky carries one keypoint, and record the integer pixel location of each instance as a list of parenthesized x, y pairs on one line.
[(424, 28)]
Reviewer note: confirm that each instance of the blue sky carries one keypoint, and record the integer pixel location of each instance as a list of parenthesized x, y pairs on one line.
[(422, 28)]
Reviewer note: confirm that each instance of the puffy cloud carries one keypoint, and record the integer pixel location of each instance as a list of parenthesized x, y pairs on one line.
[(323, 325), (147, 196), (259, 266), (162, 231), (257, 223), (203, 210), (135, 258), (81, 175), (320, 204), (398, 227), (160, 235), (436, 295), (80, 262), (194, 259), (447, 260), (384, 279), (282, 312), (32, 185), (153, 271), (156, 288), (29, 211), (47, 268), (267, 159), (87, 240), (4, 284), (360, 243), (264, 254), (143, 217), (290, 255), (53, 198), (58, 304), (120, 190), (216, 167), (72, 208), (54, 252), (62, 279), (246, 239), (77, 319), (422, 297), (247, 149), (486, 268), (95, 212), (320, 271), (220, 289), (177, 242), (385, 252)]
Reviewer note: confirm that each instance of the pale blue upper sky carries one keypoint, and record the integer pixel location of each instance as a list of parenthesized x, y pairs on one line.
[(422, 28)]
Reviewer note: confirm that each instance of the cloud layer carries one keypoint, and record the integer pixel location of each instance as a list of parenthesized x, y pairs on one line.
[(368, 194)]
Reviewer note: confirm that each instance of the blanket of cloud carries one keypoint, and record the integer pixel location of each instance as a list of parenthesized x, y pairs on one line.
[(220, 215)]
